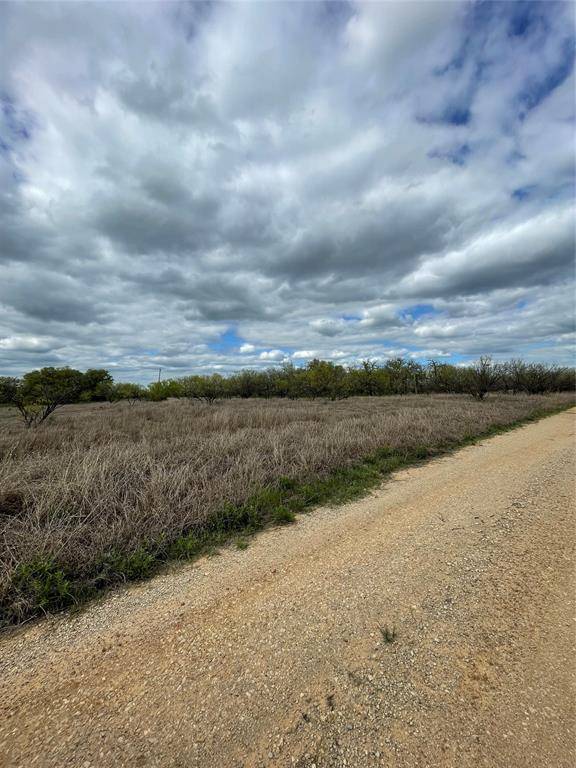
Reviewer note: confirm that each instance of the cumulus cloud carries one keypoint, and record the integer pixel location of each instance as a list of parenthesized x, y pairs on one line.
[(212, 180), (272, 355), (304, 354)]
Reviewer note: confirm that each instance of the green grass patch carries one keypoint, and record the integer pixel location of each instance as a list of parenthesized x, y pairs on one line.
[(43, 584)]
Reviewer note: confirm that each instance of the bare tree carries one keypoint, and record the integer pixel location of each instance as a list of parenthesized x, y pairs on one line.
[(481, 378)]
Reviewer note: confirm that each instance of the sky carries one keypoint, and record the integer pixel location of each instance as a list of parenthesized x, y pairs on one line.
[(209, 186)]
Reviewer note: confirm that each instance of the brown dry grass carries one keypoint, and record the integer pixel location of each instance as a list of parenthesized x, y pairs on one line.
[(101, 478)]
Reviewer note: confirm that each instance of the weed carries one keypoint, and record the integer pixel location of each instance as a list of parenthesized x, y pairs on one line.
[(185, 547), (388, 634), (132, 566), (282, 515), (43, 584)]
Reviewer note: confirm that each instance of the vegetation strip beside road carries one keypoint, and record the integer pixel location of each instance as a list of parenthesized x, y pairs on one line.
[(38, 394), (44, 585)]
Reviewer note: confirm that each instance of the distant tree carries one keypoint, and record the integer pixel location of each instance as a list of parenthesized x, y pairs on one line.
[(325, 379), (481, 378), (162, 390), (127, 391), (206, 388), (368, 378), (41, 392), (289, 381), (97, 385), (444, 377), (8, 389), (403, 374), (244, 383), (514, 376), (538, 378)]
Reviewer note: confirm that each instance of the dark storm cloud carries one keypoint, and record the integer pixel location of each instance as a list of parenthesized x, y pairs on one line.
[(49, 298), (22, 238), (140, 226), (217, 297), (387, 241)]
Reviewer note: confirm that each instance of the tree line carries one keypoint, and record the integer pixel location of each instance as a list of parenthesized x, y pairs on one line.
[(38, 393)]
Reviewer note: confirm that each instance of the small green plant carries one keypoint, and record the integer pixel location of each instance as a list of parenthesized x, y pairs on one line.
[(286, 484), (242, 544), (282, 515), (388, 634), (185, 547), (136, 565), (42, 584)]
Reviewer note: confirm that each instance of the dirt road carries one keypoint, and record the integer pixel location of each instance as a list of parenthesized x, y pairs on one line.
[(275, 656)]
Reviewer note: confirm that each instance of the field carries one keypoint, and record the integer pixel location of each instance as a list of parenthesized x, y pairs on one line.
[(101, 493)]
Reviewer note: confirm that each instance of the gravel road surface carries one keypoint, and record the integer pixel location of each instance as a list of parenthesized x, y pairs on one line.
[(284, 654)]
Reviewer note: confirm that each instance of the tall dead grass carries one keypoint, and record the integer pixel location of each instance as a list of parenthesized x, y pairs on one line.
[(107, 479)]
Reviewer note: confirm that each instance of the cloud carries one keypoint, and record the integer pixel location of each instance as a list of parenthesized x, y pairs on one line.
[(26, 344), (48, 297), (297, 172), (380, 316), (538, 250), (272, 355), (328, 326), (304, 354)]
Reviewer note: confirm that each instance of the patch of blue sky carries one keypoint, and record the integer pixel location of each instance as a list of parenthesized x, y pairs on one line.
[(229, 340), (456, 114), (419, 310)]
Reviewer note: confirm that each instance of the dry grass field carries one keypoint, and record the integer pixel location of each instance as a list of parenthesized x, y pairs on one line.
[(101, 493)]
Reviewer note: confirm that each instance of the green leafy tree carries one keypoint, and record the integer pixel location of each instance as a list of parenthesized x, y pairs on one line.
[(97, 385), (367, 378), (162, 390), (205, 388), (8, 389), (41, 392), (245, 383), (325, 379), (127, 391)]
